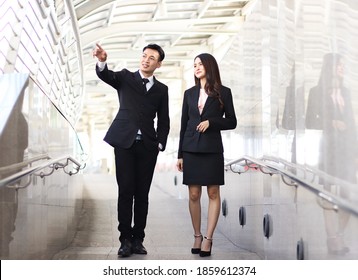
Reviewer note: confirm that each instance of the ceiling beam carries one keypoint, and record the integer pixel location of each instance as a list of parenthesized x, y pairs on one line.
[(157, 27)]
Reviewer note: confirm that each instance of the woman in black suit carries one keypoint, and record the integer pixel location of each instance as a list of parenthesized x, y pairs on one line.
[(207, 109), (330, 109)]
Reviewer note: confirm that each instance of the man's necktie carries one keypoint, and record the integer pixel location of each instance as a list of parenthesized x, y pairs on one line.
[(145, 81)]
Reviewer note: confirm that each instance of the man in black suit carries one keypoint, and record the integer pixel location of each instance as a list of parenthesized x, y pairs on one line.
[(136, 140)]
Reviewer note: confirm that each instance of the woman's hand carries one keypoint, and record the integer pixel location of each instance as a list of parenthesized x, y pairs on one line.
[(203, 126), (180, 164), (339, 125)]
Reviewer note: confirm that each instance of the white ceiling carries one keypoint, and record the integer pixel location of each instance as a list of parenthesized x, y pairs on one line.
[(183, 28)]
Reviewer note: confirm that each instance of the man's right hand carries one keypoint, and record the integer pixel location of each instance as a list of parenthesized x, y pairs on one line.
[(100, 53)]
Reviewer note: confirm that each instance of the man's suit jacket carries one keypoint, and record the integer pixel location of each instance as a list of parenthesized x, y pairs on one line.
[(210, 141), (137, 110)]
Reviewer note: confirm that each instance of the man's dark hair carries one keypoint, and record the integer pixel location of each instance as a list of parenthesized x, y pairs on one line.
[(157, 48)]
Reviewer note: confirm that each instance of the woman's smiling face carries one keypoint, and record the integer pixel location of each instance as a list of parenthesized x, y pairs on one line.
[(199, 70)]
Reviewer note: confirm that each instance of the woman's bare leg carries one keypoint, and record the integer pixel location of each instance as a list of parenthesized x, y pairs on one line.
[(195, 212), (213, 215)]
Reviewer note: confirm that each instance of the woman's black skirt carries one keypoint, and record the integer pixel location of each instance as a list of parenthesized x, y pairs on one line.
[(203, 169)]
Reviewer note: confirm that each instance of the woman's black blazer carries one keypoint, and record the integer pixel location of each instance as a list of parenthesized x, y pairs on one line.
[(219, 119)]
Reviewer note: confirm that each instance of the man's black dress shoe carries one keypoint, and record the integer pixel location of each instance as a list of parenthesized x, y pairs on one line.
[(138, 248), (126, 248)]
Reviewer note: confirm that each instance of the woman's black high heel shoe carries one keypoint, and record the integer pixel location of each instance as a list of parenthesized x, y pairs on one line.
[(206, 253), (197, 250)]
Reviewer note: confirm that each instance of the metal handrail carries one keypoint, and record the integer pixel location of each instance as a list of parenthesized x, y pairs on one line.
[(263, 164), (16, 166), (53, 164)]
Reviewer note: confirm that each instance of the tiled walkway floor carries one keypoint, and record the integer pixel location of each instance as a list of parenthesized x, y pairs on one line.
[(169, 234)]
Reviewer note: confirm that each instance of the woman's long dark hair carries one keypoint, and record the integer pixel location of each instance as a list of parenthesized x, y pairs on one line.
[(213, 80), (328, 78)]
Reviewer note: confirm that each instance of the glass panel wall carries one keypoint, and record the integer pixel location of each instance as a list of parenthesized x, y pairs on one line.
[(293, 70)]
